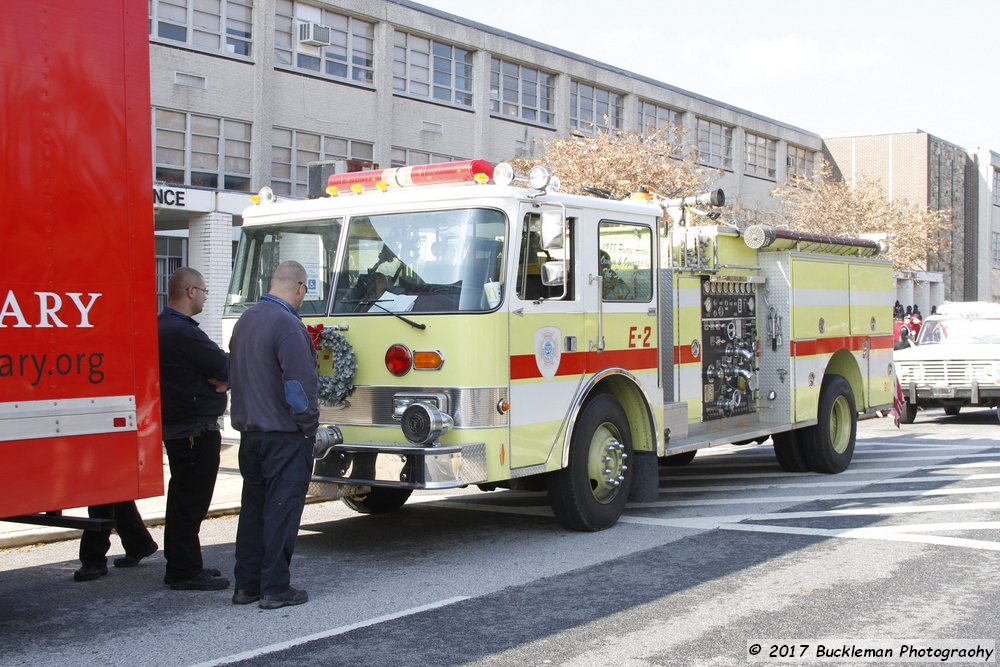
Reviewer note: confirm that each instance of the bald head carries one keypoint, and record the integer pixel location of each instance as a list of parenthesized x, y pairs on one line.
[(186, 291), (289, 283)]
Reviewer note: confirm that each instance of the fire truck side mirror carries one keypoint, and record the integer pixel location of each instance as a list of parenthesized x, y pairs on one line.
[(554, 272), (553, 230)]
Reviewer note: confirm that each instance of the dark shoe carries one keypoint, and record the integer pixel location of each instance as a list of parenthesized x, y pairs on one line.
[(290, 597), (242, 596), (211, 570), (203, 581), (90, 572), (131, 560)]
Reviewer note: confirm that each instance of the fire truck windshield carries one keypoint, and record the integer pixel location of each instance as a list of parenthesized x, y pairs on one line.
[(428, 261), (263, 247)]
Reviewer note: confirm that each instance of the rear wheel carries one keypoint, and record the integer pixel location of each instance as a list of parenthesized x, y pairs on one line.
[(379, 500), (788, 451), (909, 413), (953, 412), (590, 494), (677, 460), (829, 445)]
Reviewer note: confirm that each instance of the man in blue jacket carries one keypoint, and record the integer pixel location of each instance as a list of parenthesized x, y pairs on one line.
[(194, 377), (276, 409)]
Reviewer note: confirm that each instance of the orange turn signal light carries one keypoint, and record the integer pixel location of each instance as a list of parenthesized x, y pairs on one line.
[(427, 360)]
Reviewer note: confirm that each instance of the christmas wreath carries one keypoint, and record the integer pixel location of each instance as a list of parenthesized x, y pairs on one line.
[(333, 389)]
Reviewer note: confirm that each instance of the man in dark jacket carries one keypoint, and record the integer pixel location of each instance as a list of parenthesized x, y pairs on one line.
[(194, 377), (276, 409)]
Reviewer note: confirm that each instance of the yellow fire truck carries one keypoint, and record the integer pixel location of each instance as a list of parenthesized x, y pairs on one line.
[(507, 335)]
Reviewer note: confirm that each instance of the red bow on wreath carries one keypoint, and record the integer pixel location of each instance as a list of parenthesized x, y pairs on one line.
[(314, 332)]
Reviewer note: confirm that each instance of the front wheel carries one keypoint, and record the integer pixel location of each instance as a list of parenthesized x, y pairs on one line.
[(829, 445), (590, 494), (380, 500)]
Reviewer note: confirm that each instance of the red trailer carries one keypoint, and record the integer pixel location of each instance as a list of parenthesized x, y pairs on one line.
[(79, 381)]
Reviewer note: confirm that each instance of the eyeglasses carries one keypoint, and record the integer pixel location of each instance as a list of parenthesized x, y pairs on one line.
[(200, 288)]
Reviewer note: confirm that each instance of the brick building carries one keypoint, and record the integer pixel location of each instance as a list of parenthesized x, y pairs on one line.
[(246, 92)]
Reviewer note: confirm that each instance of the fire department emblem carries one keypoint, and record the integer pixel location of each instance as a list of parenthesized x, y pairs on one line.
[(548, 351)]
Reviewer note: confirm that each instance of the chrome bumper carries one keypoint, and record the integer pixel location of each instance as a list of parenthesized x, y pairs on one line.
[(402, 465)]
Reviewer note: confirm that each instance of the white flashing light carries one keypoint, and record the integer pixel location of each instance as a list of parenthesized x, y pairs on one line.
[(503, 174), (539, 177)]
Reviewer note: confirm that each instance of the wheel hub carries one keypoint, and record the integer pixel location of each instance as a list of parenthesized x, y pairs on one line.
[(606, 463)]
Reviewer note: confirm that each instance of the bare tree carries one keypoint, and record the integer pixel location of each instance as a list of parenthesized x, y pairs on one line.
[(622, 163)]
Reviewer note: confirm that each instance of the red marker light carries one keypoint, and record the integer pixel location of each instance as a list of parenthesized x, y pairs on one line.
[(398, 360), (119, 422)]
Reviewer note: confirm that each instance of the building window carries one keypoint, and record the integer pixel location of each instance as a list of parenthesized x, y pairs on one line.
[(427, 68), (715, 144), (170, 255), (593, 109), (337, 45), (216, 25), (201, 150), (996, 250), (760, 156), (654, 118), (522, 92), (996, 186), (799, 162), (404, 157), (292, 151)]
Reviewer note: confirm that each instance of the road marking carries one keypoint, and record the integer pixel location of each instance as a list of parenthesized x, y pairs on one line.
[(247, 655), (850, 471), (716, 520), (808, 499), (809, 485), (866, 534)]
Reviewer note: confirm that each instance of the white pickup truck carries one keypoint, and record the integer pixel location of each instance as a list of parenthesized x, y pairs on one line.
[(954, 360)]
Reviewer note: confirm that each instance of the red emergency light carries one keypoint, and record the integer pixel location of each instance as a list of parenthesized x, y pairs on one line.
[(424, 174)]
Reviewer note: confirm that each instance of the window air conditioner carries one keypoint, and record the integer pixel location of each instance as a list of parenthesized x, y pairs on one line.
[(314, 34)]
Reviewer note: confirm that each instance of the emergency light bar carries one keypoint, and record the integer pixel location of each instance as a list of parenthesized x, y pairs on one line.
[(466, 171)]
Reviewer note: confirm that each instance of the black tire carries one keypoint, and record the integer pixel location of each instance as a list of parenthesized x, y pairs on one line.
[(678, 460), (829, 445), (909, 413), (953, 412), (380, 500), (788, 451), (580, 495)]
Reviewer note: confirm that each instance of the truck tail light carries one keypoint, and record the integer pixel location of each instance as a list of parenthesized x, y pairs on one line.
[(398, 359)]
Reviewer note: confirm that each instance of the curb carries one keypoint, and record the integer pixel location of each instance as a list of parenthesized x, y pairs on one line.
[(45, 535)]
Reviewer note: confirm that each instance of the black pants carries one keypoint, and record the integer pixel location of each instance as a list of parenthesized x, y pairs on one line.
[(194, 466), (276, 468), (131, 530)]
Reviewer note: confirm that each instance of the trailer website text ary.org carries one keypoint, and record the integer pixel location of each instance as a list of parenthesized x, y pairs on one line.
[(36, 367)]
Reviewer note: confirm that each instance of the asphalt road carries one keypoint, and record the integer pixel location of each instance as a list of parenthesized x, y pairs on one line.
[(904, 544)]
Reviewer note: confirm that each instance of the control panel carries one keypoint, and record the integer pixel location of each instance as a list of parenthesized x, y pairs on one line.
[(729, 344)]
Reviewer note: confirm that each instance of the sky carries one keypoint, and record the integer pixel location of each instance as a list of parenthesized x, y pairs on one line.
[(834, 68)]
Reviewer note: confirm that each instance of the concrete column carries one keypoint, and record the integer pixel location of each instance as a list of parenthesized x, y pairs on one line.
[(210, 251), (263, 94), (481, 105), (562, 104), (384, 36), (630, 108)]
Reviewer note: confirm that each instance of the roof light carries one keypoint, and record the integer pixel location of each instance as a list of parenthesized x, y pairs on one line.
[(265, 196), (503, 174), (480, 177), (357, 188), (424, 174), (332, 191), (382, 186), (539, 177)]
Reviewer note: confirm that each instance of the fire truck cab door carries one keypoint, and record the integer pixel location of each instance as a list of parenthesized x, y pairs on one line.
[(547, 340)]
